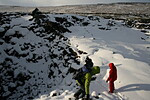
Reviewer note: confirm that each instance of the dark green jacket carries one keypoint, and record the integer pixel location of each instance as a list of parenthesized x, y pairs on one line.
[(86, 79)]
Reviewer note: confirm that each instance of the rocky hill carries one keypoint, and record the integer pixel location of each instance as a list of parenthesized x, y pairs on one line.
[(35, 55)]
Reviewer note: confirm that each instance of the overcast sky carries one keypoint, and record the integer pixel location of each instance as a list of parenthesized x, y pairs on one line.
[(60, 2)]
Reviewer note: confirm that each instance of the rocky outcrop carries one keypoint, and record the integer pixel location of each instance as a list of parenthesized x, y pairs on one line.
[(139, 23), (33, 56)]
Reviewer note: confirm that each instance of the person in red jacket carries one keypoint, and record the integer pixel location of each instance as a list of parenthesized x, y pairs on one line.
[(112, 77)]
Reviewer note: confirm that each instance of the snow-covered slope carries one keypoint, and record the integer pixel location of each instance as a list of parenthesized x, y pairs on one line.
[(37, 51), (34, 57), (107, 40)]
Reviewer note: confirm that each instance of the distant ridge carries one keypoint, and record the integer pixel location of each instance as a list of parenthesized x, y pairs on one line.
[(116, 8), (83, 4)]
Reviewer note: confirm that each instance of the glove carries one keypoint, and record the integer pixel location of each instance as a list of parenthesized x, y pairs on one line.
[(106, 81), (87, 97), (93, 78)]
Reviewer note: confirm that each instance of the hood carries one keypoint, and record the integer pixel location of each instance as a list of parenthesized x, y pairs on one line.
[(111, 65), (95, 70)]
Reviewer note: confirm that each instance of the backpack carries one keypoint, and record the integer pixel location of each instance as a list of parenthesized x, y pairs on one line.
[(85, 69), (81, 72)]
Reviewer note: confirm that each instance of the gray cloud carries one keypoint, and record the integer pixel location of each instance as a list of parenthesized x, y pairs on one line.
[(45, 2), (17, 2)]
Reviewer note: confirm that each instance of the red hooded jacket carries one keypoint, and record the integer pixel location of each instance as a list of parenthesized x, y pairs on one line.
[(112, 73)]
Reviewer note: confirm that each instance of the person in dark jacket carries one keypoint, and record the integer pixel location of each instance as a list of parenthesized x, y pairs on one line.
[(112, 77), (84, 83)]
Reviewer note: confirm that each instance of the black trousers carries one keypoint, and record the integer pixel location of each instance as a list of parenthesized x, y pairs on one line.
[(80, 93)]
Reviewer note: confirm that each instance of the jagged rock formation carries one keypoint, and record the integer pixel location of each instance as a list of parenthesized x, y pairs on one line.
[(139, 23), (34, 53)]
